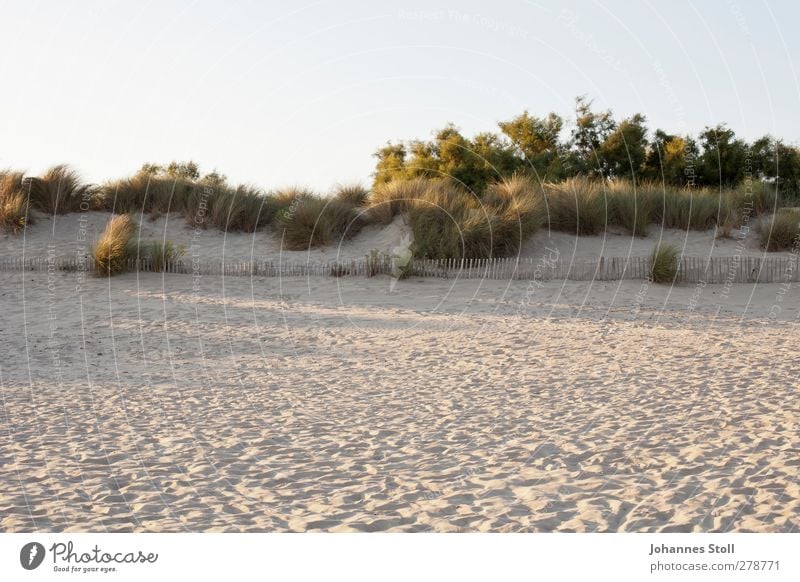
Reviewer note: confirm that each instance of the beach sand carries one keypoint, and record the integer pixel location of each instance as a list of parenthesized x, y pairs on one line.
[(173, 403)]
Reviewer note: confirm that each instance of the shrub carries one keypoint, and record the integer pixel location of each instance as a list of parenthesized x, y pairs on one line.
[(781, 232), (576, 205), (664, 263), (354, 194), (112, 250), (161, 253), (58, 191)]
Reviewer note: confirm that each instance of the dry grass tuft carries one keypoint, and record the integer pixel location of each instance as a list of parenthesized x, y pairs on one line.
[(782, 232), (59, 191), (664, 263), (354, 194), (312, 221), (112, 250), (14, 214)]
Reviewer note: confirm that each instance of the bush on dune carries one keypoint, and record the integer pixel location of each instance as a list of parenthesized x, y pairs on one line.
[(112, 250)]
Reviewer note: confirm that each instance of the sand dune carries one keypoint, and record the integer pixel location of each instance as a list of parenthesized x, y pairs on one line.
[(63, 233), (142, 404)]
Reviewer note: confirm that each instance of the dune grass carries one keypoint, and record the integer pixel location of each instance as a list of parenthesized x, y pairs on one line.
[(160, 253), (14, 215), (244, 209), (576, 205), (630, 206), (782, 232), (59, 190), (145, 193), (392, 198), (14, 212), (112, 250), (448, 221), (354, 194), (664, 263), (311, 221)]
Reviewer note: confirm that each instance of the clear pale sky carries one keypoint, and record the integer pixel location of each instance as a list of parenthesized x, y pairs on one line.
[(283, 93)]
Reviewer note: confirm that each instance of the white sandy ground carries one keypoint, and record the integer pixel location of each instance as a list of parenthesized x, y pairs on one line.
[(143, 404), (71, 235)]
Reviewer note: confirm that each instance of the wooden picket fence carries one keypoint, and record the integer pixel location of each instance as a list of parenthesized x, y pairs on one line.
[(714, 270)]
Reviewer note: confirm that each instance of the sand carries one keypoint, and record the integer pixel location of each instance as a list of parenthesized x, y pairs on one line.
[(165, 403), (71, 235)]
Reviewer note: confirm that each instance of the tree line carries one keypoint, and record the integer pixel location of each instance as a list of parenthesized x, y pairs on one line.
[(597, 145)]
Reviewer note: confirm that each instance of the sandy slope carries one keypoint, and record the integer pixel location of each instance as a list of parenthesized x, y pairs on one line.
[(323, 404), (72, 234)]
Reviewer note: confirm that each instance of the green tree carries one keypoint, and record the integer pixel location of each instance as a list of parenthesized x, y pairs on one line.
[(624, 150), (536, 140), (723, 158), (590, 131), (497, 156), (775, 162), (391, 163), (186, 170)]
